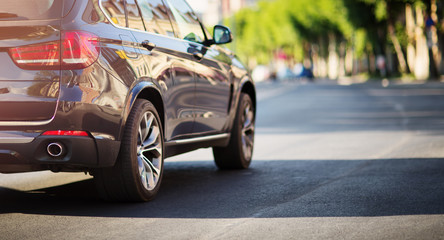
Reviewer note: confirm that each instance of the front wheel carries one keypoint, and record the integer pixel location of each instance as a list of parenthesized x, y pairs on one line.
[(138, 171), (239, 152)]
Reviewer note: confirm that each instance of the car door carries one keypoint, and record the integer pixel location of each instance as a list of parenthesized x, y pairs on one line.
[(212, 89), (167, 63), (210, 67)]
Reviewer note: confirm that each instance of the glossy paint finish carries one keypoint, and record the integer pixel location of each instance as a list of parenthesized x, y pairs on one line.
[(213, 91), (27, 95), (195, 97), (171, 70)]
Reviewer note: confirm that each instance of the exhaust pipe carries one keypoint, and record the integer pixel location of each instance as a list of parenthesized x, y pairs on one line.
[(55, 149)]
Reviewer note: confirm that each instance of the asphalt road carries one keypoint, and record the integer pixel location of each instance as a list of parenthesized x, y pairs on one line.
[(331, 161)]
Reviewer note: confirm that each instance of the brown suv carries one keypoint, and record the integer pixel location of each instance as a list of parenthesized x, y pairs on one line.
[(112, 87)]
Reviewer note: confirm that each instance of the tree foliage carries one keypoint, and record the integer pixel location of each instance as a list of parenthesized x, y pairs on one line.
[(296, 26)]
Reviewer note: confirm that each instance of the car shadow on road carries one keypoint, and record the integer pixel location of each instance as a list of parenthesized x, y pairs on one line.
[(269, 189)]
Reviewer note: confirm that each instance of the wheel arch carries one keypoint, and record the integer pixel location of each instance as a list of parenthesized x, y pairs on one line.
[(154, 96), (248, 88), (148, 91), (244, 86)]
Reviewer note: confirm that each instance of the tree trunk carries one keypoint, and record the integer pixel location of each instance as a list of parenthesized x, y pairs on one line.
[(403, 68), (410, 28), (435, 54), (401, 59), (422, 54), (321, 62), (349, 61), (342, 54), (333, 58)]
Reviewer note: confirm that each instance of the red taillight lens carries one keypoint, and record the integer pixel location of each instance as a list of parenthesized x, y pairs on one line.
[(66, 133), (79, 50), (76, 50), (37, 56)]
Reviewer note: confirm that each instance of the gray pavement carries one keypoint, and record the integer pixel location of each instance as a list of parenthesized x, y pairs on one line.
[(357, 161)]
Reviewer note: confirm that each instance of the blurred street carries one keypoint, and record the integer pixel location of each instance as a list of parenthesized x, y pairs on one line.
[(331, 161)]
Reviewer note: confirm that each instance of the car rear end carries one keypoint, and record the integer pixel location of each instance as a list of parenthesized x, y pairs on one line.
[(36, 55)]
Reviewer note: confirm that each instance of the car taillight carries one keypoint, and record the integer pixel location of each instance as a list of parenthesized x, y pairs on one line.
[(37, 56), (75, 50), (79, 50), (65, 133)]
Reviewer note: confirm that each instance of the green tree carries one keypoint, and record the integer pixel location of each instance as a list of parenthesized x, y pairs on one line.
[(322, 30)]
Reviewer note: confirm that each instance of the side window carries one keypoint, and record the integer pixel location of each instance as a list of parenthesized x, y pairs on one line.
[(155, 17), (188, 26), (134, 19), (115, 9)]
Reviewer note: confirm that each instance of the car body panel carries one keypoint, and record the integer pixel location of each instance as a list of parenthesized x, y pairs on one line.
[(213, 82), (170, 68), (198, 97), (27, 95)]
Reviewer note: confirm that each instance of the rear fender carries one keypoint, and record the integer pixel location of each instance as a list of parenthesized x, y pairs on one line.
[(245, 85), (135, 93)]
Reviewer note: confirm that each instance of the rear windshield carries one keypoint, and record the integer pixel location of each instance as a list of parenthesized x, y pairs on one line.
[(30, 9)]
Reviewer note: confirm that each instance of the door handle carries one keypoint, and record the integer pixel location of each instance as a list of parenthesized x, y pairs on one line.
[(198, 56), (148, 45)]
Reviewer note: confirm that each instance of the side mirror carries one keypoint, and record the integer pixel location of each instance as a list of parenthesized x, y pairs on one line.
[(222, 35)]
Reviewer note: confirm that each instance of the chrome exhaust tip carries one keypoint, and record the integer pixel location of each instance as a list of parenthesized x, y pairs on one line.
[(55, 149)]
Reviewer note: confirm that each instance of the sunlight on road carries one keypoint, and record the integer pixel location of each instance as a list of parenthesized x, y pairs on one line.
[(280, 144), (39, 180), (385, 227)]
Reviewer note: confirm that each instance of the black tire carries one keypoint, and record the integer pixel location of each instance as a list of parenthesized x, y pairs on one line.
[(138, 171), (239, 152)]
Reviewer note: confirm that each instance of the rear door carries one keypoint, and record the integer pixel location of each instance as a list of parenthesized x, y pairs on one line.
[(29, 55), (167, 63), (210, 67)]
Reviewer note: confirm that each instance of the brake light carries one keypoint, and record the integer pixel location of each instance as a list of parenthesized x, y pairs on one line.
[(37, 56), (66, 133), (79, 50), (75, 50)]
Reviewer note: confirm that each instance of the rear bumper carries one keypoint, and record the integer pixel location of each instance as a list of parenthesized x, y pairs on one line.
[(22, 152)]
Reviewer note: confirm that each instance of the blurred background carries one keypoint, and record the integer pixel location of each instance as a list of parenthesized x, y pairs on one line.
[(363, 39)]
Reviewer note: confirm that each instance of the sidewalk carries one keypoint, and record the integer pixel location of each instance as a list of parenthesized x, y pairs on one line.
[(351, 81)]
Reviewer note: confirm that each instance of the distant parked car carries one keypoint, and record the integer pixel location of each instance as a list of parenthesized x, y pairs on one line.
[(302, 72), (306, 73), (112, 87)]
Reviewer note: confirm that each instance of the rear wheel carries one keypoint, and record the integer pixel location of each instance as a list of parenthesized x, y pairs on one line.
[(239, 152), (138, 171)]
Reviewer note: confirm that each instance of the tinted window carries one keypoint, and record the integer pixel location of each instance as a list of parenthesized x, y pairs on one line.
[(134, 19), (155, 16), (115, 9), (30, 9), (188, 26)]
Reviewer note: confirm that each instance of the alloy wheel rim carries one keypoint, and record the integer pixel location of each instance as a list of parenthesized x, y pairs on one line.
[(248, 131), (149, 151)]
